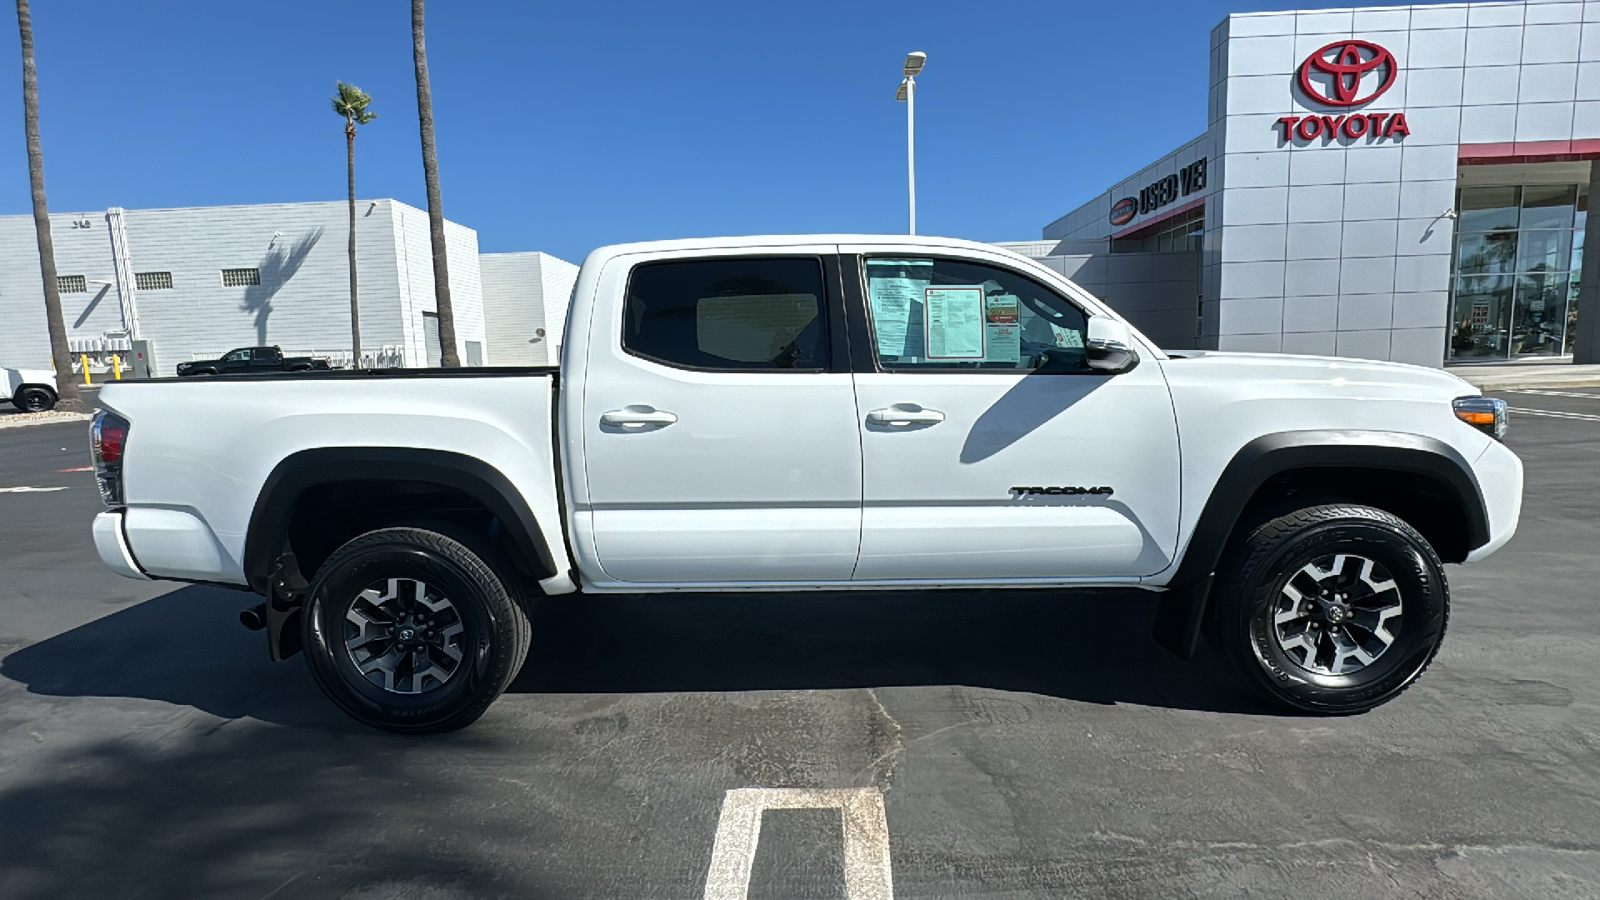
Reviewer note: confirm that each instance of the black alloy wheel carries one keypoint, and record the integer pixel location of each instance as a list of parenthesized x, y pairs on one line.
[(412, 630), (1331, 609)]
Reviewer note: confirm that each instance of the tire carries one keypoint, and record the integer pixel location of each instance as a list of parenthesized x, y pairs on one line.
[(1375, 631), (469, 632), (34, 399)]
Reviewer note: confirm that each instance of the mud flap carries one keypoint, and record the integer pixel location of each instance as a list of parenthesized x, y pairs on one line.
[(285, 598), (1179, 616)]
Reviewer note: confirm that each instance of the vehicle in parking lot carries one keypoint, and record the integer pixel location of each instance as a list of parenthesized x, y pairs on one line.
[(30, 390), (251, 360), (826, 412)]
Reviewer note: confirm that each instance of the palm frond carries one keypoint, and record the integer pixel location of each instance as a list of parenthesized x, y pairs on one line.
[(351, 102)]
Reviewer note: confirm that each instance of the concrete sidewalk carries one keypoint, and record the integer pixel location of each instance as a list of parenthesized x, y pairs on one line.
[(1506, 376)]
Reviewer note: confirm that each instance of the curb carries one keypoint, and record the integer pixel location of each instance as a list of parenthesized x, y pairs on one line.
[(17, 420)]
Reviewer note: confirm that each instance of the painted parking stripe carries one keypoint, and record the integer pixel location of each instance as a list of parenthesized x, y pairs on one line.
[(30, 490), (1541, 393), (78, 469), (1554, 414), (866, 839)]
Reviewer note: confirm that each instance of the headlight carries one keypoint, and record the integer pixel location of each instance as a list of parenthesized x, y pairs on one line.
[(1486, 414)]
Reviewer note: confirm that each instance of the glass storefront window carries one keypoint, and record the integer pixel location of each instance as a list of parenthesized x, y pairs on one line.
[(1519, 251), (1482, 317), (1488, 208), (1486, 253), (1548, 206), (1571, 330), (1541, 312), (1543, 251)]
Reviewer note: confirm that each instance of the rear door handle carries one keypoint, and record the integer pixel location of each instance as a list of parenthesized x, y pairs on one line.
[(637, 417), (894, 416)]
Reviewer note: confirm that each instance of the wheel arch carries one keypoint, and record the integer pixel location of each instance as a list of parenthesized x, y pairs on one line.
[(27, 385), (1368, 461), (370, 470)]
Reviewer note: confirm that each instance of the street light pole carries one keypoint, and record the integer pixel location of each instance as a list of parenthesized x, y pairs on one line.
[(908, 93)]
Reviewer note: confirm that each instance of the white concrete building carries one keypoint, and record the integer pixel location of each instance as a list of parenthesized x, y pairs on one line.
[(525, 297), (199, 281), (1407, 183)]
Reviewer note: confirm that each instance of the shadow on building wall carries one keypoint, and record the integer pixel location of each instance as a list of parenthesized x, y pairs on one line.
[(282, 261)]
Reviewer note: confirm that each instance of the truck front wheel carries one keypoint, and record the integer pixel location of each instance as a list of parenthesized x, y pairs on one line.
[(1331, 609), (413, 630)]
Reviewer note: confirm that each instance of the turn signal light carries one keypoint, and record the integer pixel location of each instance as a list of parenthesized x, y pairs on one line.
[(1486, 414)]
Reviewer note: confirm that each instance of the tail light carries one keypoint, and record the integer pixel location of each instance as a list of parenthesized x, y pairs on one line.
[(108, 436)]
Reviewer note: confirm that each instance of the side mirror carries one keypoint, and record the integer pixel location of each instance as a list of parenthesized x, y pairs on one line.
[(1108, 348)]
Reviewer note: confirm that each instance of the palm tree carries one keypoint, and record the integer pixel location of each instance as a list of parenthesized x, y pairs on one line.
[(68, 399), (430, 175), (351, 102)]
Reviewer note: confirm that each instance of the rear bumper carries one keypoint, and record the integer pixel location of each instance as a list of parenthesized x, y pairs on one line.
[(1499, 474), (112, 546)]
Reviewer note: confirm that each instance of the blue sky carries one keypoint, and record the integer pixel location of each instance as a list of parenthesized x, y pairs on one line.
[(562, 127)]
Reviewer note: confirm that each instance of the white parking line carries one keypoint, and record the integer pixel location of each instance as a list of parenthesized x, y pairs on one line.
[(1554, 413), (866, 839), (1556, 393), (29, 490)]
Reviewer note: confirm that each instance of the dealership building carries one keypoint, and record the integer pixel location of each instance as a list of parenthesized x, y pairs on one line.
[(195, 282), (1401, 183)]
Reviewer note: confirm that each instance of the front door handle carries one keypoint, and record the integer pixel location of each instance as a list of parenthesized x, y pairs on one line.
[(905, 414), (637, 417)]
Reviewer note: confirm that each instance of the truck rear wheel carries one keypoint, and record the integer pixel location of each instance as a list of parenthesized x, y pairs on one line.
[(1331, 609), (413, 630)]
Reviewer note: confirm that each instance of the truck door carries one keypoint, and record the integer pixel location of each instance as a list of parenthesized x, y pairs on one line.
[(719, 422), (235, 360), (976, 466)]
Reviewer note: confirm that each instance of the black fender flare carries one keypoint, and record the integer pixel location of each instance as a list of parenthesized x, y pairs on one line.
[(308, 469), (1183, 604)]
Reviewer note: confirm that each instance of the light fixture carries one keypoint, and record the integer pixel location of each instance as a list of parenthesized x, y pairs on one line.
[(914, 63)]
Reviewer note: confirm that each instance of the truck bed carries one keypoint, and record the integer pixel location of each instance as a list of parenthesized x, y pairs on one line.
[(198, 447)]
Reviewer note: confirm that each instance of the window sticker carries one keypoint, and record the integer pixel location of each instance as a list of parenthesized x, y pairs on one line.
[(1002, 332), (955, 321), (895, 291)]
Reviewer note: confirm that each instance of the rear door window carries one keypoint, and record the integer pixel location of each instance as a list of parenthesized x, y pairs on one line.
[(739, 314)]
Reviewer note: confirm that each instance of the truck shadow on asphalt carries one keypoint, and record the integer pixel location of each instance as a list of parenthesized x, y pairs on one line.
[(187, 648), (1093, 649)]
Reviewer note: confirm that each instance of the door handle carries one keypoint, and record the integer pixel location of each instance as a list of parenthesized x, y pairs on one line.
[(897, 416), (637, 417)]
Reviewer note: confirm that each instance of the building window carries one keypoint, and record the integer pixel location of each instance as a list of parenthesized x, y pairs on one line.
[(1518, 255), (72, 284), (153, 281), (1177, 234), (240, 277)]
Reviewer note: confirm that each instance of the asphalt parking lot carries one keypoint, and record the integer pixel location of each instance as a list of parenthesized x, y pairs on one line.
[(1023, 745)]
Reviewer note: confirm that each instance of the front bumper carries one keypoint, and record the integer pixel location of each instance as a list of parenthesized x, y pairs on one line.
[(112, 546), (1499, 474)]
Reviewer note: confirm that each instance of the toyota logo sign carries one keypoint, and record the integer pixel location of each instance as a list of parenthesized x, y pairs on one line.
[(1123, 211), (1336, 73)]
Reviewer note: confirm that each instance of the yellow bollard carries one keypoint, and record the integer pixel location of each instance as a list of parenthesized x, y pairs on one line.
[(84, 358), (116, 367)]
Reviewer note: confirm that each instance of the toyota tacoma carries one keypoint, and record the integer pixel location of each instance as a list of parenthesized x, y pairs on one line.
[(832, 412)]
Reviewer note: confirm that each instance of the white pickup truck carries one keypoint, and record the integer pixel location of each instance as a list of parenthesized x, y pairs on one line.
[(824, 412), (30, 390)]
